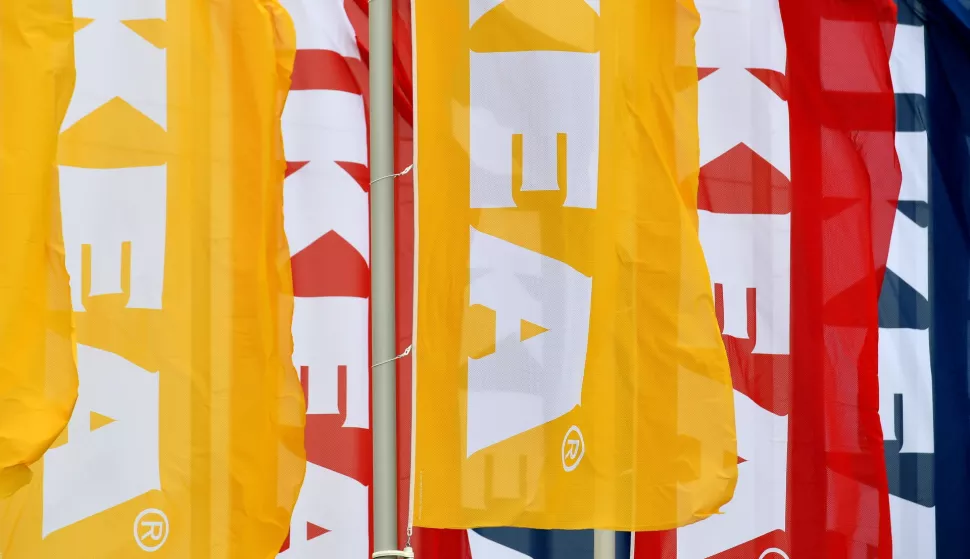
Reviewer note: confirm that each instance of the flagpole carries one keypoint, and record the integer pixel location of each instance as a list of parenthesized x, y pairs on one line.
[(604, 544), (383, 335)]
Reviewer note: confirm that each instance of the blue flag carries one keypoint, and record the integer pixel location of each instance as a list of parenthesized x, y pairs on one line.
[(948, 94), (522, 543), (930, 479)]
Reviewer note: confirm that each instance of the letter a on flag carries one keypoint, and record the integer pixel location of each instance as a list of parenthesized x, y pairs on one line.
[(569, 367), (38, 376)]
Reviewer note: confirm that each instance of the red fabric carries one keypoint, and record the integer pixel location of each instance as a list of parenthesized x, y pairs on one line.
[(324, 69), (742, 182), (845, 179), (655, 545), (763, 377), (330, 252)]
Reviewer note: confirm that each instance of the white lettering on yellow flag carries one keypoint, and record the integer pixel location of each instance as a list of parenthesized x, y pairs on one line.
[(569, 366), (187, 437)]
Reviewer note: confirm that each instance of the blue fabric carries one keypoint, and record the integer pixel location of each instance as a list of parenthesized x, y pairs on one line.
[(961, 9), (947, 26), (553, 544)]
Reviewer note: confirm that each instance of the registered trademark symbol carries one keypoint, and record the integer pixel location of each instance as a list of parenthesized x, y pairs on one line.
[(573, 449), (775, 551), (151, 529)]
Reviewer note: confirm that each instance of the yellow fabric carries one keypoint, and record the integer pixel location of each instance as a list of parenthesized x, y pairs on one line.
[(656, 417), (230, 406), (38, 377)]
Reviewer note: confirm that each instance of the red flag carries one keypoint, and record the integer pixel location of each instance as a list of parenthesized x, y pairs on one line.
[(822, 116), (846, 180)]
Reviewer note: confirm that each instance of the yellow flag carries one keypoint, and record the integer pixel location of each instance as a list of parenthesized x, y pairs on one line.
[(187, 437), (569, 367), (38, 377)]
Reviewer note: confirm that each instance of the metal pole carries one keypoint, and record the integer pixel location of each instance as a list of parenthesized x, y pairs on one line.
[(384, 381), (604, 544)]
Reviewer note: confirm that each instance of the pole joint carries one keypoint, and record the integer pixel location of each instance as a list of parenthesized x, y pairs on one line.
[(408, 553)]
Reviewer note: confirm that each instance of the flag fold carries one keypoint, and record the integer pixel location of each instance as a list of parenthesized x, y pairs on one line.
[(38, 375)]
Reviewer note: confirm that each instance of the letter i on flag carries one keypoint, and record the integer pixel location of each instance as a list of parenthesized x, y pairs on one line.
[(569, 370), (187, 438), (38, 375)]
